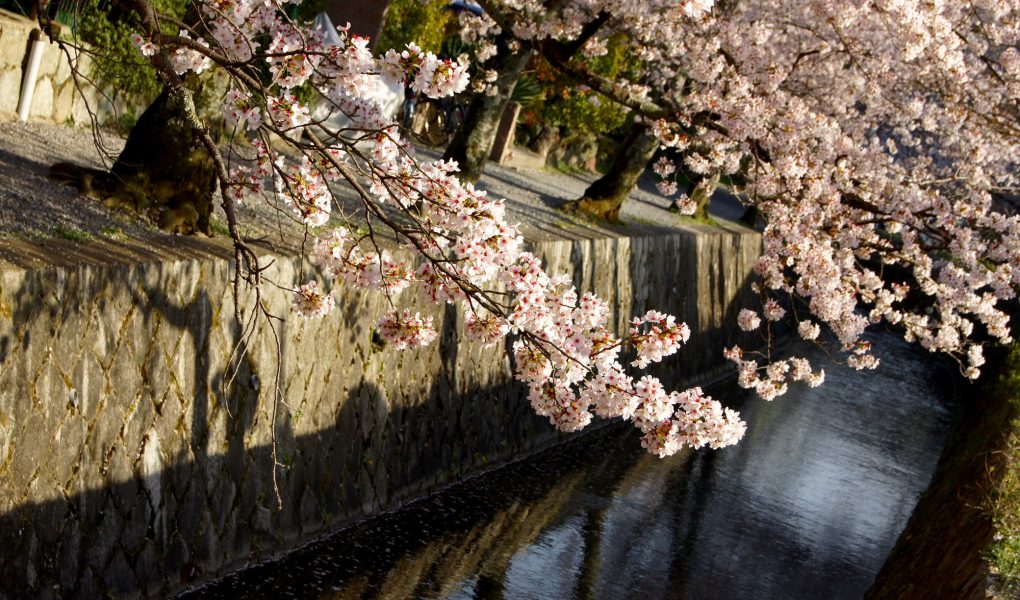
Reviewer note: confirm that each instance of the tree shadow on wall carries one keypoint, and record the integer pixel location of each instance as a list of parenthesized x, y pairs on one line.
[(167, 487), (117, 520), (164, 478), (700, 361)]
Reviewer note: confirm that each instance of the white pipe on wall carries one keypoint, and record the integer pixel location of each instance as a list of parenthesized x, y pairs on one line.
[(31, 74)]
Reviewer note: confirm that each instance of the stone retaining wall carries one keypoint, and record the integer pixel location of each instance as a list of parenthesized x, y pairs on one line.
[(55, 98), (136, 445)]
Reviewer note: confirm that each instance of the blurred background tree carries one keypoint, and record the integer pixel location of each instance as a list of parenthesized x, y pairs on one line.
[(573, 126), (424, 22)]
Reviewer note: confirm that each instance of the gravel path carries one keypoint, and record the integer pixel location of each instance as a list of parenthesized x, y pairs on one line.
[(31, 204), (34, 206), (532, 196)]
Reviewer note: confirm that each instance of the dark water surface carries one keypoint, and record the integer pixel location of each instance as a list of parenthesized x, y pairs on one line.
[(806, 507)]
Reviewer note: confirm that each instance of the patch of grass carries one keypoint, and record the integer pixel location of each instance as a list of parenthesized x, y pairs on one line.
[(1004, 554), (112, 232), (565, 169), (72, 233), (219, 227), (709, 220)]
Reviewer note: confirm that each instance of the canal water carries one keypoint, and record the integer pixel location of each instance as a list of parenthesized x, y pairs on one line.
[(807, 506)]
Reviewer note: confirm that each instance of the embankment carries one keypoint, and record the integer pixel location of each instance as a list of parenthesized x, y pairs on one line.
[(137, 444)]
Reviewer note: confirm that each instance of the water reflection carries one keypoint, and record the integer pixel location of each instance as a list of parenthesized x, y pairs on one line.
[(807, 506)]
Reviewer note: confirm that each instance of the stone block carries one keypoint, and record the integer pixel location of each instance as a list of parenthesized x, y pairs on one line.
[(222, 506), (190, 517), (288, 520), (87, 587), (139, 418), (10, 89), (122, 481), (51, 58), (148, 570), (13, 46), (175, 557), (32, 450), (309, 513), (206, 547), (62, 101), (106, 538), (69, 559), (263, 520), (80, 107), (119, 578), (63, 72), (136, 527), (42, 101)]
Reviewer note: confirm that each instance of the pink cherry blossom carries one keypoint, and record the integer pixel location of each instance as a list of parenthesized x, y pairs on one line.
[(311, 302), (748, 320), (404, 330)]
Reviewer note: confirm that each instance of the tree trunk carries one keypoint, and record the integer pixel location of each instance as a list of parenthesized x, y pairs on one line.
[(546, 140), (701, 191), (750, 217), (168, 171), (605, 196), (472, 142), (163, 172)]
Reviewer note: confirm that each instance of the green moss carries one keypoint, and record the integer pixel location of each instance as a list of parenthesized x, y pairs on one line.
[(709, 220), (219, 227), (112, 232), (72, 233)]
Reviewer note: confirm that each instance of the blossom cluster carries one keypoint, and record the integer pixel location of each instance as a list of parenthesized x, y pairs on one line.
[(405, 330), (772, 380), (430, 75), (310, 301), (874, 139), (564, 350), (871, 139)]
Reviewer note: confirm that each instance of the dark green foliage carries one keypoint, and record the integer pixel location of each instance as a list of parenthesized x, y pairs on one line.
[(578, 109), (527, 91), (117, 65), (423, 22), (18, 7)]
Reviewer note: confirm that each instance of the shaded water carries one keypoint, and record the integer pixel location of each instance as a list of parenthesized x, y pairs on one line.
[(806, 506)]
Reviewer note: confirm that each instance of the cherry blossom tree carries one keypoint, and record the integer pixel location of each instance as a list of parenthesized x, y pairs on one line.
[(872, 138), (877, 141), (464, 249)]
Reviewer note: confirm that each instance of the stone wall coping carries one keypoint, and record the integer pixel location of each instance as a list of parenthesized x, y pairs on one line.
[(31, 254)]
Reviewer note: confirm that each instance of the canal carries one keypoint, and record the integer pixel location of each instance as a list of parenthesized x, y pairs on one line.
[(807, 506)]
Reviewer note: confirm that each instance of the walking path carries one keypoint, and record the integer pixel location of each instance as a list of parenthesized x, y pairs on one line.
[(51, 222)]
